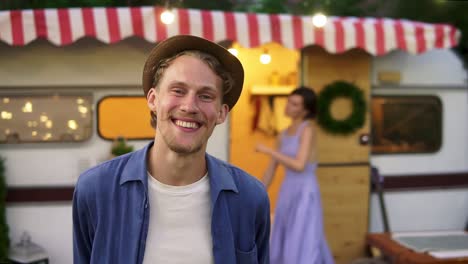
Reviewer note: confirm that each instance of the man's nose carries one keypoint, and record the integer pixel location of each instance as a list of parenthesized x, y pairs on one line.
[(189, 104)]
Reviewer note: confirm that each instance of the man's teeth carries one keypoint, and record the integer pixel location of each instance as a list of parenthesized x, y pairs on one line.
[(186, 124)]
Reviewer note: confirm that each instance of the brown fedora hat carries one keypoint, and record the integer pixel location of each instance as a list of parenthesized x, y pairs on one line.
[(179, 43)]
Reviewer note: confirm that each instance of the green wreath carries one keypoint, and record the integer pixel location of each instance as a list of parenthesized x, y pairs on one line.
[(355, 120)]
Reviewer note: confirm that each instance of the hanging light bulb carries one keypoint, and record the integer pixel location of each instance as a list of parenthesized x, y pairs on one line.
[(319, 20), (233, 51), (265, 58), (167, 17)]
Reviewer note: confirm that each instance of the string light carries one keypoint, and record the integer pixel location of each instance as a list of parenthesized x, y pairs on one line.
[(27, 108), (72, 124), (7, 115), (265, 58), (47, 136), (49, 124), (319, 20), (167, 17), (82, 109), (43, 117)]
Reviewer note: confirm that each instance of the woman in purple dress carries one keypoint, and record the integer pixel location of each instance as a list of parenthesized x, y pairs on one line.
[(297, 236)]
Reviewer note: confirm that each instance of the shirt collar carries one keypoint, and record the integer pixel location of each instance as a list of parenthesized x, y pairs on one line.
[(220, 176), (135, 169)]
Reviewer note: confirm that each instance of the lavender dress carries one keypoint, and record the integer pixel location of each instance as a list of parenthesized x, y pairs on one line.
[(297, 235)]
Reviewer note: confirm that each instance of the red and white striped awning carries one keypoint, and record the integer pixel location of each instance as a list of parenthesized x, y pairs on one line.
[(110, 25)]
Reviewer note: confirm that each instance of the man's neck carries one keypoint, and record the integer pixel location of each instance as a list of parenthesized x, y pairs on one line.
[(173, 168)]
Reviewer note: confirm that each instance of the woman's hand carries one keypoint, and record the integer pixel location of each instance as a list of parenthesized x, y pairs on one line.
[(263, 149)]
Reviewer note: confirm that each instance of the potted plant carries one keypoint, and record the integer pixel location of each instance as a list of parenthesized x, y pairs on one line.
[(120, 147)]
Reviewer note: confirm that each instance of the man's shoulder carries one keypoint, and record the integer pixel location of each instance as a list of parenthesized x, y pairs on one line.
[(245, 183), (103, 174)]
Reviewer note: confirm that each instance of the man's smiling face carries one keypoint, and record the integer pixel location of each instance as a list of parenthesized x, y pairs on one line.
[(188, 104)]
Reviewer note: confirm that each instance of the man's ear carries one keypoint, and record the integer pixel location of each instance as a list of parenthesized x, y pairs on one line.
[(152, 99), (223, 112)]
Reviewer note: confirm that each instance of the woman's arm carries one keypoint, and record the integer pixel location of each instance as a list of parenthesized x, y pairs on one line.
[(271, 169), (298, 162), (269, 173)]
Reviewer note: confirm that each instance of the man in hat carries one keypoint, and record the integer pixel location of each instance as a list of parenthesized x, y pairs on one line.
[(171, 202)]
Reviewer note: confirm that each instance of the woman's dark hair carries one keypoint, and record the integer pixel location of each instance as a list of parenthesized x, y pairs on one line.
[(310, 100)]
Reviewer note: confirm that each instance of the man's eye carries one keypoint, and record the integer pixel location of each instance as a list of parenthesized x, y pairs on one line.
[(178, 91), (206, 97)]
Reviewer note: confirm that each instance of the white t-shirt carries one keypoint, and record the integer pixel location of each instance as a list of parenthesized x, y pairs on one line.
[(179, 223)]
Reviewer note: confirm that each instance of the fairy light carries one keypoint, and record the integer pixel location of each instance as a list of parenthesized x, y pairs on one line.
[(82, 109), (43, 118), (47, 136), (167, 17), (72, 124), (265, 58), (28, 107), (319, 20), (7, 115)]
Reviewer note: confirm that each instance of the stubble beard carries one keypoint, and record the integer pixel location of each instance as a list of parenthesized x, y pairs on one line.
[(174, 146)]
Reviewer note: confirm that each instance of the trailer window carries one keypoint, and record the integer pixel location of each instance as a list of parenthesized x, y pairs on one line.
[(45, 118), (125, 117), (406, 124)]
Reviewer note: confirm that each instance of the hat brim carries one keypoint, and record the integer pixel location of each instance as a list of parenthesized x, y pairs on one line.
[(174, 45)]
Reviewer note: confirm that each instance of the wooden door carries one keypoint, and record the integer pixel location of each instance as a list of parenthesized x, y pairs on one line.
[(343, 172)]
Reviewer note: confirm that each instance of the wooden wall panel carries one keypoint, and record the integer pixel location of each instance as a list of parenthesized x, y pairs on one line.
[(344, 189), (322, 68), (345, 195)]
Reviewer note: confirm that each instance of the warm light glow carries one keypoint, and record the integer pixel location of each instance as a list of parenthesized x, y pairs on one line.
[(72, 124), (43, 118), (233, 51), (6, 100), (32, 124), (34, 133), (7, 115), (82, 109), (27, 108), (319, 20), (79, 100), (167, 17), (49, 124), (7, 131), (47, 136), (265, 58)]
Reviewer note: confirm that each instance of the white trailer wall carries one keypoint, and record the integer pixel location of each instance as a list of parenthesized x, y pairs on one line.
[(439, 73)]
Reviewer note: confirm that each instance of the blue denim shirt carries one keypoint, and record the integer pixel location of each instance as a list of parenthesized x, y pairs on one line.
[(111, 213)]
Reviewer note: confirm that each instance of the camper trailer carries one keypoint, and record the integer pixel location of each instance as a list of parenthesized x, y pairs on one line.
[(71, 93)]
